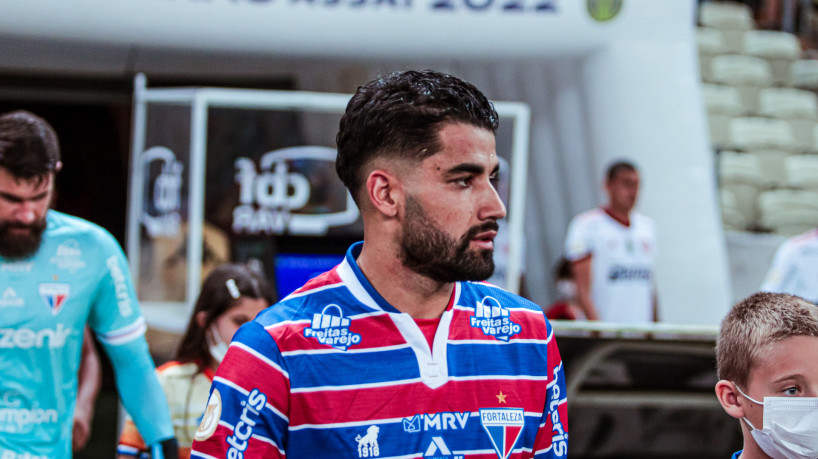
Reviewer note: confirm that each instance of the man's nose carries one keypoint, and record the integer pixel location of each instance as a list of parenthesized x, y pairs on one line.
[(494, 207), (25, 213)]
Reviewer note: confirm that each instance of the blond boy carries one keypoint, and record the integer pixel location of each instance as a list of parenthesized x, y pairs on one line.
[(767, 358)]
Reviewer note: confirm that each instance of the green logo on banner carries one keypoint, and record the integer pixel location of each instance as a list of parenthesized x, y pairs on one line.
[(604, 10)]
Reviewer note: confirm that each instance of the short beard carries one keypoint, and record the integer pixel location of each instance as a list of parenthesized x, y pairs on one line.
[(429, 251), (20, 246)]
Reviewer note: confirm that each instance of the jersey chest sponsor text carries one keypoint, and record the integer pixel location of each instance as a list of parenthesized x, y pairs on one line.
[(26, 338)]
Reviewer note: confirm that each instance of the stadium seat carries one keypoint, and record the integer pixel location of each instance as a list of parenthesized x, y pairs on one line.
[(732, 218), (712, 42), (788, 212), (757, 133), (726, 15), (748, 74), (719, 128), (804, 74), (802, 171), (779, 49), (722, 100), (741, 174), (798, 107)]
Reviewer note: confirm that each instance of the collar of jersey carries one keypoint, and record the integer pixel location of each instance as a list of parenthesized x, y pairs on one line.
[(352, 255)]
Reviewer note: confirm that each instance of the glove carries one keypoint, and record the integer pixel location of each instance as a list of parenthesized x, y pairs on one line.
[(165, 449)]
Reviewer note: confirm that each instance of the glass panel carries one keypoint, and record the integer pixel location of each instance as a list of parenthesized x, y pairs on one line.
[(163, 232)]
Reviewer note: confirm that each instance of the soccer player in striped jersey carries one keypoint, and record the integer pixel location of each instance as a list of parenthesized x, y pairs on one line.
[(401, 350)]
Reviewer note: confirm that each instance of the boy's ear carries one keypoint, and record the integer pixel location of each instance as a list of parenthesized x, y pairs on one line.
[(727, 394)]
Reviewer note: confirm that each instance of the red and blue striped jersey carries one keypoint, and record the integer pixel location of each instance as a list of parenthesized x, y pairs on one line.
[(334, 371)]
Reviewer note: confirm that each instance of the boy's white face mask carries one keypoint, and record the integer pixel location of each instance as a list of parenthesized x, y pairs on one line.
[(790, 427), (215, 345)]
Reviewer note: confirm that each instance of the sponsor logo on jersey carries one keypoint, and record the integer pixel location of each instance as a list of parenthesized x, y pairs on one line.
[(6, 454), (629, 273), (238, 442), (10, 299), (287, 194), (559, 439), (436, 421), (68, 256), (16, 419), (210, 418), (161, 213), (439, 450), (491, 317), (123, 296), (503, 426), (26, 338), (54, 295), (332, 329), (368, 443), (17, 266)]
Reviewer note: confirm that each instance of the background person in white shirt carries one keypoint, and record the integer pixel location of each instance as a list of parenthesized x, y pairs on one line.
[(794, 269), (612, 251)]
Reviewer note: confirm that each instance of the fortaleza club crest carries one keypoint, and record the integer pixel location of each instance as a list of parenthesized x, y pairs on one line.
[(332, 329), (504, 426), (491, 317)]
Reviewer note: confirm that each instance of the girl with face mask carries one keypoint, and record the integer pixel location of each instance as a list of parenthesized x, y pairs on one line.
[(231, 295)]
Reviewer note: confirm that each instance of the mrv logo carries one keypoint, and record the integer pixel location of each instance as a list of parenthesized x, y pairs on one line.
[(332, 329), (295, 191), (491, 317), (436, 421), (160, 213)]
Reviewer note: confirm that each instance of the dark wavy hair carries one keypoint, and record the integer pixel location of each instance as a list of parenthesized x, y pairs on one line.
[(215, 299), (29, 148), (400, 115)]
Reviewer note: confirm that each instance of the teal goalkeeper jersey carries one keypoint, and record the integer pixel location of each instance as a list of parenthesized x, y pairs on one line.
[(79, 275)]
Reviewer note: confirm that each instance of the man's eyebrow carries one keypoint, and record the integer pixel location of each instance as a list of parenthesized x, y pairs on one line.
[(15, 198), (470, 168)]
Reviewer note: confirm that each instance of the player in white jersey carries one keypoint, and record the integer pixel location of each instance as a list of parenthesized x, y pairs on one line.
[(612, 251), (57, 274), (795, 267)]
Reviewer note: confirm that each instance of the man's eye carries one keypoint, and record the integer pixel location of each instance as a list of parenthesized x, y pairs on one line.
[(791, 391), (463, 181)]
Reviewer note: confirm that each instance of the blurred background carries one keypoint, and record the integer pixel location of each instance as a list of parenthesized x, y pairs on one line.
[(715, 101)]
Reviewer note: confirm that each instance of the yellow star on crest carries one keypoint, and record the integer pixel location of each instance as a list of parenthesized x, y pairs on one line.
[(501, 397)]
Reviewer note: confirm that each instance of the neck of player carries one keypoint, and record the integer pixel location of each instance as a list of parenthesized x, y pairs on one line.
[(409, 292)]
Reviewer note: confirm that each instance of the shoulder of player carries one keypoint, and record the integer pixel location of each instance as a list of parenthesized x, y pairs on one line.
[(64, 226), (472, 292), (590, 216)]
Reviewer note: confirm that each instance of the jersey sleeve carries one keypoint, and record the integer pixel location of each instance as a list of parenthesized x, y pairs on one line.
[(247, 413), (552, 435), (120, 327), (781, 271), (578, 244)]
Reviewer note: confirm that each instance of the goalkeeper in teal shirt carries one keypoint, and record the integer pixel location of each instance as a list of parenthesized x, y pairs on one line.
[(57, 274)]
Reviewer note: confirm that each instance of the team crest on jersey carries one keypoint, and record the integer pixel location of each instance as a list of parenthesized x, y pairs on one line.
[(503, 425), (332, 329), (54, 295), (368, 443), (491, 317)]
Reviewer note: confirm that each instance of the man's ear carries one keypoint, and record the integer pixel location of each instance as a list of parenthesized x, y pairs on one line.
[(727, 394), (384, 192)]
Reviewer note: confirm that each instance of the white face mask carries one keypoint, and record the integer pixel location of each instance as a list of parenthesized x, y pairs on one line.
[(215, 345), (790, 427), (566, 289)]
